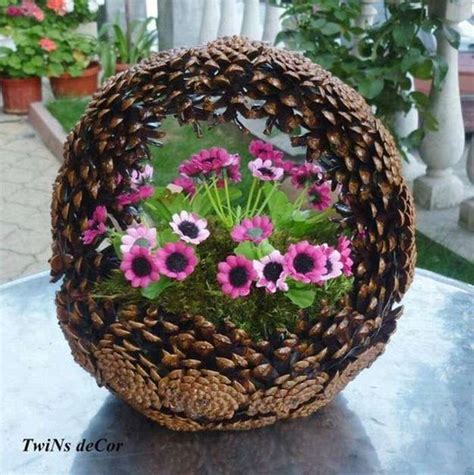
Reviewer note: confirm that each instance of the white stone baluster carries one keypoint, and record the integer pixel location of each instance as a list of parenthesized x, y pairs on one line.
[(228, 25), (251, 21), (210, 21), (466, 210), (404, 124), (368, 12), (273, 22), (441, 149)]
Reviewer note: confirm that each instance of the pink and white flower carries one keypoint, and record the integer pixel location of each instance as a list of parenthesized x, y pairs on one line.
[(254, 229), (319, 196), (133, 197), (189, 227), (140, 267), (344, 248), (333, 263), (187, 185), (265, 151), (140, 177), (305, 262), (265, 170), (271, 272), (176, 260), (95, 226), (138, 236), (235, 275), (306, 174), (212, 161)]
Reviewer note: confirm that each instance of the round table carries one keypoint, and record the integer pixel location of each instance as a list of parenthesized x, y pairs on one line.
[(411, 412)]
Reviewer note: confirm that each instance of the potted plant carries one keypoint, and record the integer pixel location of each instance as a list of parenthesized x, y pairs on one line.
[(71, 68), (120, 48), (22, 64)]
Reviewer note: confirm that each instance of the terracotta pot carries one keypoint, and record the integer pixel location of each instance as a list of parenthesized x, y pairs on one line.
[(19, 93), (83, 85), (119, 67)]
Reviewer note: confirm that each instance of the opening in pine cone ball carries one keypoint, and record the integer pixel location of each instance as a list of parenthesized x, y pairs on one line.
[(241, 286)]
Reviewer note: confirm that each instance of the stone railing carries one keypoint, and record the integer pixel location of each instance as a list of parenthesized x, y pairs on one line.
[(189, 23)]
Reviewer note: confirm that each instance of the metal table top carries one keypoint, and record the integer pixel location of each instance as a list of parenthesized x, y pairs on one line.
[(411, 412)]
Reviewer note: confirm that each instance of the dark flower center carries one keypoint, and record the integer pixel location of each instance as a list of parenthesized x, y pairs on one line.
[(141, 266), (238, 276), (176, 262), (266, 171), (315, 197), (189, 229), (272, 271), (303, 263), (329, 266)]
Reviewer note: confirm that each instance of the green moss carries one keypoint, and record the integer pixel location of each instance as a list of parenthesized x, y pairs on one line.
[(259, 313)]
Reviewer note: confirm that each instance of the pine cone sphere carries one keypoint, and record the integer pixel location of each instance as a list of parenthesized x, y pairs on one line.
[(183, 371)]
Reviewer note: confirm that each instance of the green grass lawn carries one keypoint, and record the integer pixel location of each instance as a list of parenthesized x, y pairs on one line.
[(181, 142)]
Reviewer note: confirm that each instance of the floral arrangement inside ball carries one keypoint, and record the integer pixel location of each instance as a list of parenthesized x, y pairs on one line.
[(252, 240)]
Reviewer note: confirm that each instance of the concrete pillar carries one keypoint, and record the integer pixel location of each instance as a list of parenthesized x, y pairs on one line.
[(179, 23), (466, 210), (273, 22), (441, 149), (367, 14), (251, 27), (229, 25), (210, 21)]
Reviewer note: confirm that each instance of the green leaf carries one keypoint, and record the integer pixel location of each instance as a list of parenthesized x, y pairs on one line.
[(330, 28), (370, 87), (156, 288), (264, 248), (116, 239), (279, 206), (403, 34), (166, 236), (302, 296), (423, 69), (247, 249)]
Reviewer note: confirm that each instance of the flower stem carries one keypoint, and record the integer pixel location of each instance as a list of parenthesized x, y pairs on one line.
[(268, 198), (300, 199), (257, 200), (229, 208), (213, 202), (252, 190)]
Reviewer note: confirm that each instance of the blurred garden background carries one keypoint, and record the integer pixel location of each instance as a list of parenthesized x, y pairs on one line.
[(413, 61)]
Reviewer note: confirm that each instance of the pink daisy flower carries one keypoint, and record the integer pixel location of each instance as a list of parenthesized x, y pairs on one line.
[(254, 229), (133, 197), (187, 185), (95, 226), (333, 262), (271, 272), (305, 262), (265, 170), (138, 236), (235, 275), (140, 267), (141, 177), (319, 196), (306, 174), (344, 248), (259, 147), (212, 161), (176, 260), (189, 227)]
